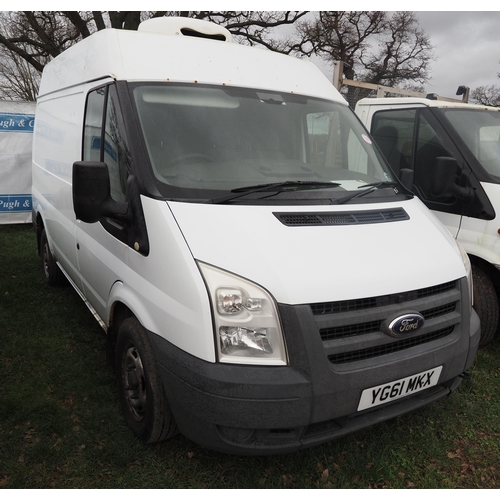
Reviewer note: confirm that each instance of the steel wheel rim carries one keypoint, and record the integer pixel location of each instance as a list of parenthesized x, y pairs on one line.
[(134, 383), (46, 260)]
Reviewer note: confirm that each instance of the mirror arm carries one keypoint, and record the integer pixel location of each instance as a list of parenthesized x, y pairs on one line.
[(445, 171), (406, 177)]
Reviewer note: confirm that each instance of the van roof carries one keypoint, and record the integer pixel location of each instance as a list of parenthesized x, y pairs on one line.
[(145, 55), (421, 101)]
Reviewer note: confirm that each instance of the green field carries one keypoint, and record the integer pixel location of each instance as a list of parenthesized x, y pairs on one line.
[(61, 424)]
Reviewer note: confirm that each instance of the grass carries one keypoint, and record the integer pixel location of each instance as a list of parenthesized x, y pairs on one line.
[(61, 425)]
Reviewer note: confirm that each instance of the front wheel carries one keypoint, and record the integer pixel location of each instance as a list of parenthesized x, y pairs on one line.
[(485, 304), (142, 396)]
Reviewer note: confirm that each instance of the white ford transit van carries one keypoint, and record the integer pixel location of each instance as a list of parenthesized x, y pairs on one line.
[(265, 283)]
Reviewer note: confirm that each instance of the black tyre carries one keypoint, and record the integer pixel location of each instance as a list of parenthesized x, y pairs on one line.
[(53, 275), (142, 396), (485, 304)]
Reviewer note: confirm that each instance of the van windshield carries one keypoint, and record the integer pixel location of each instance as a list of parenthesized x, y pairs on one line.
[(480, 130), (209, 139)]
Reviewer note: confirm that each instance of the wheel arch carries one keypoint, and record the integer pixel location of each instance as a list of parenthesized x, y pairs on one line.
[(119, 312), (486, 283), (39, 226), (488, 268), (123, 304)]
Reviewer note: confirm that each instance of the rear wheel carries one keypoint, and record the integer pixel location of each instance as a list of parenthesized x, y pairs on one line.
[(142, 396), (485, 304), (53, 275)]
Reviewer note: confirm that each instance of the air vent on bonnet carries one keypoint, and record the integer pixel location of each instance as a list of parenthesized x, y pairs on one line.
[(341, 218)]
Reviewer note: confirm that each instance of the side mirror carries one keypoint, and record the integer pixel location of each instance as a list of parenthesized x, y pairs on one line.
[(92, 195), (444, 180)]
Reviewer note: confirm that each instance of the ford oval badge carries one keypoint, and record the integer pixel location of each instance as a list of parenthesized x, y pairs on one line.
[(405, 324)]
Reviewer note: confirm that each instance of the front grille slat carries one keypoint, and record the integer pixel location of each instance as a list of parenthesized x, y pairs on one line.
[(380, 350), (385, 300), (340, 332)]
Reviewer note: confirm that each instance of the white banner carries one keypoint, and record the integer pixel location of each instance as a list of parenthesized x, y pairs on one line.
[(16, 135)]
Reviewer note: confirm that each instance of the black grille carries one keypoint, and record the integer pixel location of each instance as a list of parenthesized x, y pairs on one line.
[(341, 218), (354, 330), (380, 350)]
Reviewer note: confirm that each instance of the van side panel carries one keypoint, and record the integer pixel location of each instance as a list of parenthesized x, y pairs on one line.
[(56, 142)]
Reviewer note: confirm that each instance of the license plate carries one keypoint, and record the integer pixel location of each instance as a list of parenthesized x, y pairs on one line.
[(397, 389)]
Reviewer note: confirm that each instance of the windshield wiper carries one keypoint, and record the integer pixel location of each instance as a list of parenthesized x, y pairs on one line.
[(295, 184), (274, 186), (380, 184), (358, 194)]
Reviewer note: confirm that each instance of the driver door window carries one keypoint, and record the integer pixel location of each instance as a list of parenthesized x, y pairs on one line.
[(104, 138)]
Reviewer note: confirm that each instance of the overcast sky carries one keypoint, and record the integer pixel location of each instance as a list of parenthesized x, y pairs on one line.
[(467, 49)]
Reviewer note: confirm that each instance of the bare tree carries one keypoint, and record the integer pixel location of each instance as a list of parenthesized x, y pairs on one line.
[(339, 36), (29, 39), (488, 95), (376, 47), (19, 81), (403, 55), (256, 27)]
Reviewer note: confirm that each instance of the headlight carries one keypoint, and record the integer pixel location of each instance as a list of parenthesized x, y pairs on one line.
[(246, 321), (468, 269)]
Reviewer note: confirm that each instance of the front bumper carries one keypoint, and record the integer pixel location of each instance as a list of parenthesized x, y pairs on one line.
[(259, 410)]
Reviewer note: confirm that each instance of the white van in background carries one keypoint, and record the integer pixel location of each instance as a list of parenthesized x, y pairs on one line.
[(452, 150), (265, 283)]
